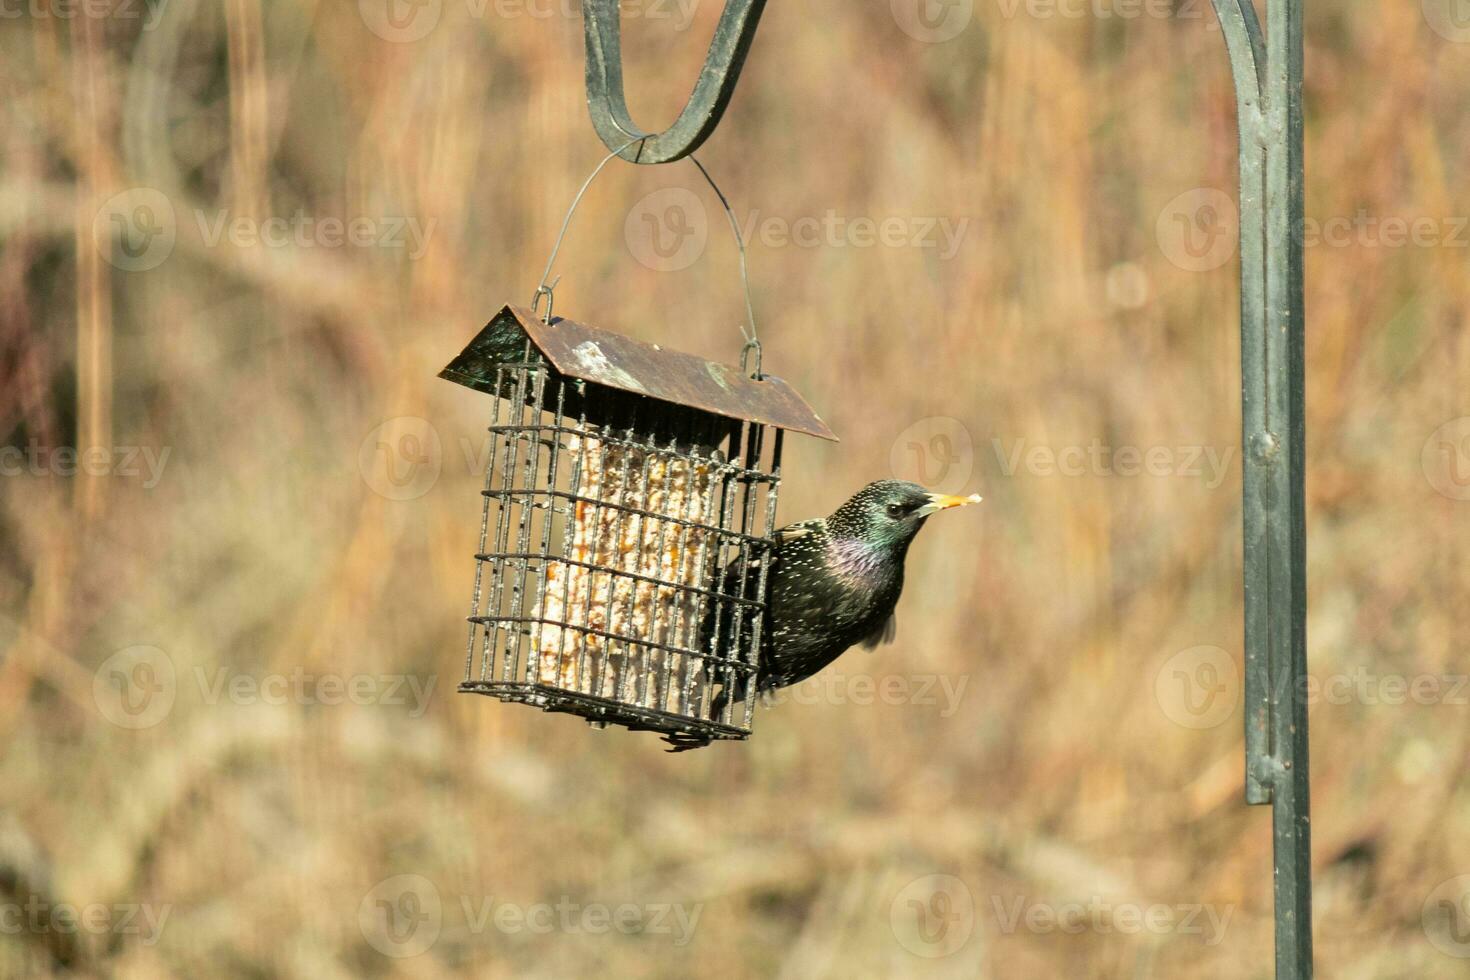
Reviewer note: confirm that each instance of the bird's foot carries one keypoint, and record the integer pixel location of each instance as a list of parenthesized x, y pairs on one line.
[(684, 741)]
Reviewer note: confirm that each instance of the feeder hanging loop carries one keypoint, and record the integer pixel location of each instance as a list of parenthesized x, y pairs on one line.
[(545, 290), (752, 346), (707, 102)]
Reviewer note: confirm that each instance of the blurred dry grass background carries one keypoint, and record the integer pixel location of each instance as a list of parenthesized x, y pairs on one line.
[(265, 548)]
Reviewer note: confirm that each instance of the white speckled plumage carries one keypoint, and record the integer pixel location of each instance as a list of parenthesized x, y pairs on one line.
[(834, 582)]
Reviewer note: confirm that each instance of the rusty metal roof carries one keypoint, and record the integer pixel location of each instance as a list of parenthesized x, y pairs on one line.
[(614, 361)]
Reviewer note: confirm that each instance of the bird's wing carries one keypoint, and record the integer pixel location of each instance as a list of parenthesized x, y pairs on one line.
[(798, 530), (791, 532), (883, 634)]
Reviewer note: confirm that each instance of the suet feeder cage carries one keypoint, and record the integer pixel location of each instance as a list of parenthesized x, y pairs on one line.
[(629, 496)]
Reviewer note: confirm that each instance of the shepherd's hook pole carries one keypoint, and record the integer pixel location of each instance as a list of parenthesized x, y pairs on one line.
[(1268, 90), (1267, 68)]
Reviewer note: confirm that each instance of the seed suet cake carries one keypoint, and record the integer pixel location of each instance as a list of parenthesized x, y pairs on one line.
[(607, 612)]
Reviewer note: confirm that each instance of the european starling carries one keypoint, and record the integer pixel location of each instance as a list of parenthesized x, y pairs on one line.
[(833, 582)]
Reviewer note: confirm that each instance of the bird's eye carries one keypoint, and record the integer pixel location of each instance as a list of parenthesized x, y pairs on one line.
[(895, 511)]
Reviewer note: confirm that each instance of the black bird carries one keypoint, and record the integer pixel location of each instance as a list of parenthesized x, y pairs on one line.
[(833, 582)]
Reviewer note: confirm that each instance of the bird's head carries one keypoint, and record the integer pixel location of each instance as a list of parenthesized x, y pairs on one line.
[(888, 514)]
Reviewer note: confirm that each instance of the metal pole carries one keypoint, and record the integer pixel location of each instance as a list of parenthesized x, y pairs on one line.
[(1268, 86)]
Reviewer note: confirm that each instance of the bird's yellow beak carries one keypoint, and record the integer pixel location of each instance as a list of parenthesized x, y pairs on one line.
[(943, 501)]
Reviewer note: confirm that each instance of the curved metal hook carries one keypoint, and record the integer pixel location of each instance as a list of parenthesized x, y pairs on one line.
[(1247, 47), (712, 90)]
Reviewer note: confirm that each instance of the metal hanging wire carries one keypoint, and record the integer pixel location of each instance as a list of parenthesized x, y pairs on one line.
[(752, 341), (546, 290), (752, 347)]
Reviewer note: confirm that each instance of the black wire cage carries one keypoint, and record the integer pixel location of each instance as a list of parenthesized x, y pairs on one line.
[(629, 496)]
